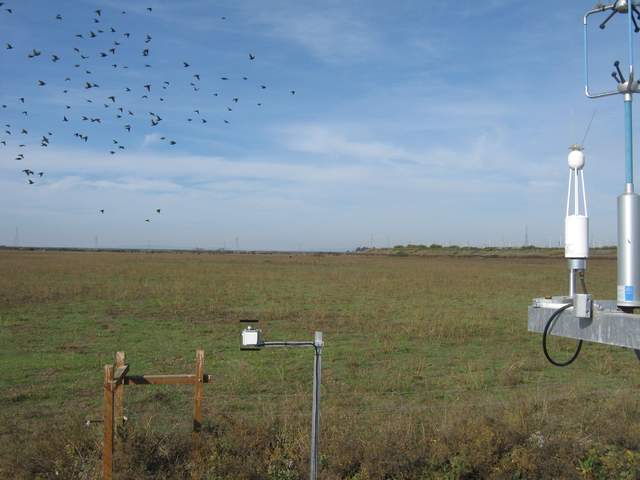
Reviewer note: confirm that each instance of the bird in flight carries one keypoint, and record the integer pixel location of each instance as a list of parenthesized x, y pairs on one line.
[(117, 46)]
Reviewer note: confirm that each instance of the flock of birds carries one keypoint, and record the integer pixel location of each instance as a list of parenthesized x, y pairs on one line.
[(91, 51)]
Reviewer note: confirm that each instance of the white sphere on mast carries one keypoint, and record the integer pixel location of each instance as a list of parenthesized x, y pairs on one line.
[(576, 157)]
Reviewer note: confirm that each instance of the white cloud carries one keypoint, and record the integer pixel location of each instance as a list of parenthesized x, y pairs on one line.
[(322, 139), (151, 139), (332, 34), (485, 154), (143, 185)]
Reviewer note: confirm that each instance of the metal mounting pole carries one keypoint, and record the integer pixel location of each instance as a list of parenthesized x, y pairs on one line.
[(628, 128), (315, 413), (252, 340)]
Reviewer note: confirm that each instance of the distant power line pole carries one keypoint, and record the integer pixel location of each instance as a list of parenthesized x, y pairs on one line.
[(237, 242), (95, 241), (526, 235)]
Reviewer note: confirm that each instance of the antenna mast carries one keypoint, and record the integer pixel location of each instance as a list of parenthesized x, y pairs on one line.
[(628, 291)]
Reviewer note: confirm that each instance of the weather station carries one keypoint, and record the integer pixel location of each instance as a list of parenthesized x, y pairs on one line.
[(252, 340), (576, 314)]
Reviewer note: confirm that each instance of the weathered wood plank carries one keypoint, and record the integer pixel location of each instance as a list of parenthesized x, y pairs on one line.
[(107, 452), (120, 371), (181, 379), (197, 391)]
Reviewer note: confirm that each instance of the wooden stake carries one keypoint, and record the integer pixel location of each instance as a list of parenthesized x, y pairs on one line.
[(119, 392), (197, 391), (107, 452)]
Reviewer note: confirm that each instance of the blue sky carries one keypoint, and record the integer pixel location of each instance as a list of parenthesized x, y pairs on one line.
[(411, 122)]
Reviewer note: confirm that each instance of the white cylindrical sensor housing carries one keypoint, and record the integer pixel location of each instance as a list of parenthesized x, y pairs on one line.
[(576, 236)]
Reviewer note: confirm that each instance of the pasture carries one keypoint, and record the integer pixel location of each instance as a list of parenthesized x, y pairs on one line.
[(428, 368)]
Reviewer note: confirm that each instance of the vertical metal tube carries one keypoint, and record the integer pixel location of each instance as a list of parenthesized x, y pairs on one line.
[(315, 413), (629, 250), (586, 55), (584, 193), (572, 282), (569, 190), (628, 127), (630, 30), (576, 197)]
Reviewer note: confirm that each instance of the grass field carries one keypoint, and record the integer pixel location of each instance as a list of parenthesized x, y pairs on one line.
[(428, 370)]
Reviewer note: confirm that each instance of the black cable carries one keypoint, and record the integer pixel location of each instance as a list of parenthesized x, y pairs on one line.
[(553, 316)]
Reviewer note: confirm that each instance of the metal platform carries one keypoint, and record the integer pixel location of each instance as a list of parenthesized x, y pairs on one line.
[(607, 324)]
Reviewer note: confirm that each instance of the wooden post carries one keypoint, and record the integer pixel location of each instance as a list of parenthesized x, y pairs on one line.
[(107, 452), (119, 392), (197, 391)]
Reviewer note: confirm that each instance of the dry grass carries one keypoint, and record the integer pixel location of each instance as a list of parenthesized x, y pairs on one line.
[(429, 371)]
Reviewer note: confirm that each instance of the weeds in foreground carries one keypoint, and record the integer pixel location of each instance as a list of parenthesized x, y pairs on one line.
[(526, 439)]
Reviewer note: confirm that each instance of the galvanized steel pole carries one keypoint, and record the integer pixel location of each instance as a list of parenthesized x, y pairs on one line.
[(315, 412)]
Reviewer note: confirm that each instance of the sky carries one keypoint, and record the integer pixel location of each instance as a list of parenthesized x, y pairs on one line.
[(411, 122)]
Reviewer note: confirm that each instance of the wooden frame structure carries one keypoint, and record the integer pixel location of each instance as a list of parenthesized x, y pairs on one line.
[(116, 377)]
